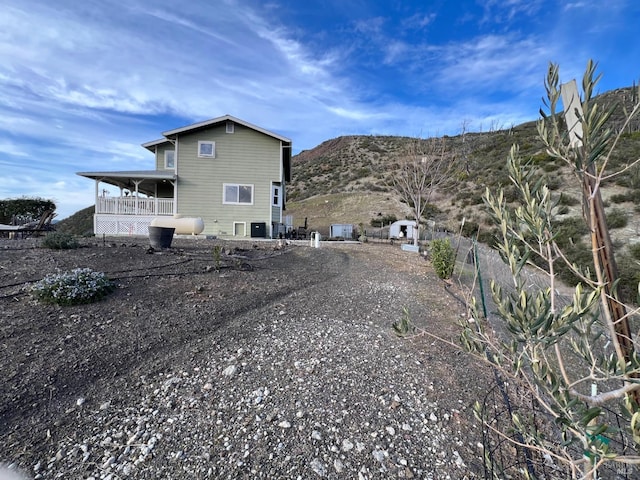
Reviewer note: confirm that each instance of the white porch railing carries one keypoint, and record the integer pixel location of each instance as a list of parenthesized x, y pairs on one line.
[(134, 206)]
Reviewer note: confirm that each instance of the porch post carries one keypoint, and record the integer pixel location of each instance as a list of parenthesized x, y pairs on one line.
[(136, 183), (118, 202), (97, 195), (155, 199)]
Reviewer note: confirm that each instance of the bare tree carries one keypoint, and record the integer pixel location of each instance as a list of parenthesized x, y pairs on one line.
[(422, 166)]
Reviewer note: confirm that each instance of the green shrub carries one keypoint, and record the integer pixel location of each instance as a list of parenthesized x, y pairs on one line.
[(470, 228), (383, 220), (569, 230), (634, 250), (620, 198), (567, 200), (554, 183), (443, 258), (488, 237), (616, 218), (79, 286), (629, 277), (60, 241), (431, 210)]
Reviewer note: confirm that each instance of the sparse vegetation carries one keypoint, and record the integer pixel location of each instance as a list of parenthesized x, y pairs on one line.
[(60, 241), (79, 286), (362, 165), (383, 220), (80, 223)]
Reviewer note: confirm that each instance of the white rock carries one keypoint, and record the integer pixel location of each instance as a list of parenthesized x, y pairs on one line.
[(390, 430), (284, 424), (433, 417), (230, 370), (346, 445), (379, 455), (318, 467), (109, 462), (338, 465), (80, 401), (316, 435)]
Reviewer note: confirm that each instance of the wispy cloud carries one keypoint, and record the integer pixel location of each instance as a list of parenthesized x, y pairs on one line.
[(83, 84)]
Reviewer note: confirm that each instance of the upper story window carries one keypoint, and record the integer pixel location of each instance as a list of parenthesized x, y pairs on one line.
[(169, 159), (236, 194), (206, 149), (230, 126), (275, 198)]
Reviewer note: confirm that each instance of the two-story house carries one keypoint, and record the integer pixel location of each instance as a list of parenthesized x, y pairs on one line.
[(228, 172)]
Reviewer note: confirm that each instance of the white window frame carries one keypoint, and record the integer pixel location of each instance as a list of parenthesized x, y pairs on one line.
[(206, 155), (237, 185), (230, 127), (166, 160), (276, 195)]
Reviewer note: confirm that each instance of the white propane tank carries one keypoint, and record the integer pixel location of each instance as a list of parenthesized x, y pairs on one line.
[(183, 225)]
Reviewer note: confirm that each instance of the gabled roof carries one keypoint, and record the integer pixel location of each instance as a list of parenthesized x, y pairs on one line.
[(286, 142), (154, 143), (214, 121)]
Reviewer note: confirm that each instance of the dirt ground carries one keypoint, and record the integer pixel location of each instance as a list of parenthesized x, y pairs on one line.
[(179, 312)]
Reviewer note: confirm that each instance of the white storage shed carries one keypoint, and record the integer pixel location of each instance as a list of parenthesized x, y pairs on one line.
[(402, 229)]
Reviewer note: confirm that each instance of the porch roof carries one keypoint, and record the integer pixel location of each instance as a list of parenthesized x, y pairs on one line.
[(126, 179)]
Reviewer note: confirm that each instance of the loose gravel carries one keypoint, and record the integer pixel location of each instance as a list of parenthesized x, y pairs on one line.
[(310, 384)]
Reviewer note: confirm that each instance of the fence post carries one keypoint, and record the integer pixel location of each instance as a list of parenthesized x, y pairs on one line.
[(477, 262)]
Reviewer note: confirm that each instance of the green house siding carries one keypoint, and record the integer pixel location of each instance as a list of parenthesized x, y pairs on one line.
[(245, 157), (160, 149)]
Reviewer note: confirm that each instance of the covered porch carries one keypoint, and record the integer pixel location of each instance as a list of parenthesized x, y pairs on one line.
[(143, 195)]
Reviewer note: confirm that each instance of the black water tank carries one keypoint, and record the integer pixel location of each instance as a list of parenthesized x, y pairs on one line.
[(258, 230)]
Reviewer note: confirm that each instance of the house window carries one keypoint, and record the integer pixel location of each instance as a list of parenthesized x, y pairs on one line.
[(235, 194), (206, 149), (275, 197), (230, 126), (169, 159)]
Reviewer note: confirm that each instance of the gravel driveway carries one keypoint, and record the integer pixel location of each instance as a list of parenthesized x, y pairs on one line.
[(266, 364)]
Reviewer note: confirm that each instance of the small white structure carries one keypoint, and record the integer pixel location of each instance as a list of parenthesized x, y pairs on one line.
[(341, 230), (402, 229)]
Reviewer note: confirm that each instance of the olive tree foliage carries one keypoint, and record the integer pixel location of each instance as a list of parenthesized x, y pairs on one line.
[(567, 355), (422, 166)]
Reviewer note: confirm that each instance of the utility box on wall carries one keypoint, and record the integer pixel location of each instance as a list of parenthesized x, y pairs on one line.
[(258, 230)]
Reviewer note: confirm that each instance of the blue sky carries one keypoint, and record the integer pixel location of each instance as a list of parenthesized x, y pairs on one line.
[(84, 83)]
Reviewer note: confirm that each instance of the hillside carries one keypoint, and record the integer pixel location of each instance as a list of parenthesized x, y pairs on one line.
[(356, 167), (80, 223)]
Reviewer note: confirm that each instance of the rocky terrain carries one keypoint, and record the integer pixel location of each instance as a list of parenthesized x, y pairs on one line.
[(262, 363)]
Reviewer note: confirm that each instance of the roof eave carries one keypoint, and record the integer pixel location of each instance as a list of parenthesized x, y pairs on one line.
[(224, 118)]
